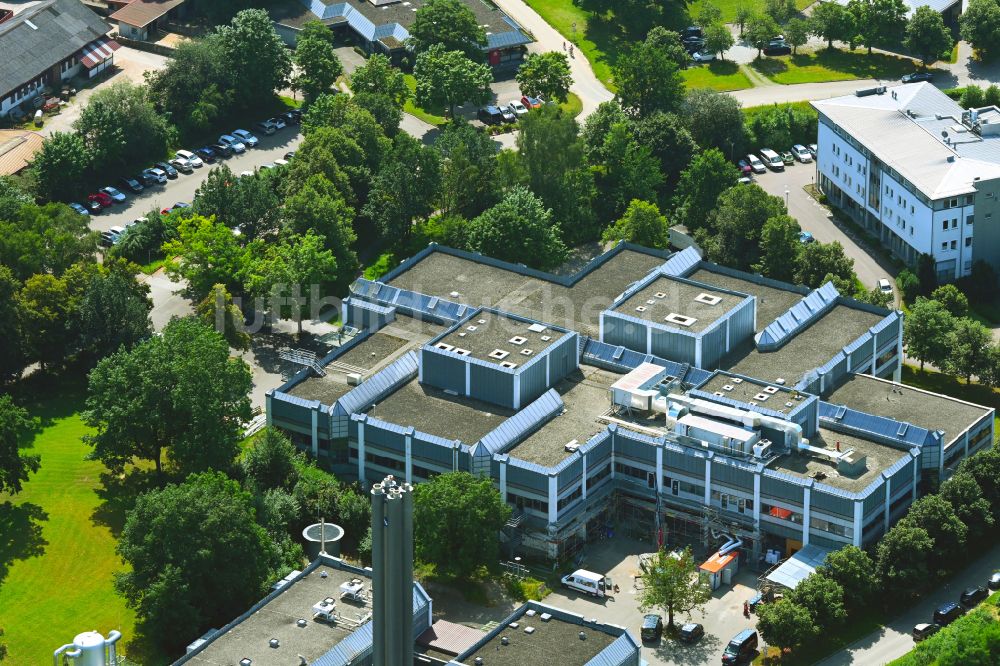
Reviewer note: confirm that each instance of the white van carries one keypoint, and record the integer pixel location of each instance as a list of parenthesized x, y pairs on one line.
[(772, 159), (593, 584)]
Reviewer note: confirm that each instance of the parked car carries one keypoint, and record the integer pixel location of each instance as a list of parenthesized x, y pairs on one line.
[(744, 167), (508, 115), (248, 139), (517, 108), (973, 595), (805, 238), (652, 627), (777, 49), (179, 204), (116, 232), (801, 153), (772, 159), (812, 149), (691, 632), (925, 630), (94, 204), (234, 144), (190, 157), (113, 194), (221, 149), (78, 208), (167, 168), (744, 180), (741, 649), (138, 220), (206, 154), (947, 613), (490, 115), (278, 122), (293, 117), (885, 286), (694, 45), (130, 183), (266, 127), (107, 239), (181, 165), (703, 56), (755, 164), (691, 31), (917, 77), (290, 154), (531, 102), (157, 175), (994, 582), (787, 158), (265, 166), (280, 163)]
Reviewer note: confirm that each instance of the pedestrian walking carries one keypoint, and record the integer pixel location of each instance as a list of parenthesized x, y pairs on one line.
[(570, 50), (746, 609), (564, 46)]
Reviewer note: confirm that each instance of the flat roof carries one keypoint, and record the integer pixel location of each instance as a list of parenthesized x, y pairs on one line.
[(576, 308), (370, 353), (277, 619), (367, 355), (495, 338), (403, 13), (746, 390), (553, 642), (667, 296), (435, 412), (879, 458), (771, 301), (807, 350), (584, 393), (906, 403)]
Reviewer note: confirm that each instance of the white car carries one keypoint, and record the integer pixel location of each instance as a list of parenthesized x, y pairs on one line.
[(518, 108), (801, 153), (703, 56), (756, 164), (116, 233), (234, 144), (248, 139), (190, 158), (885, 286), (280, 163)]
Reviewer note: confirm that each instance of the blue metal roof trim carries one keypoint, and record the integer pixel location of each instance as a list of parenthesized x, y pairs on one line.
[(852, 347), (682, 264), (565, 462), (388, 426), (726, 400), (594, 441), (788, 478), (295, 400), (529, 466), (901, 463), (383, 382), (829, 365), (428, 438), (637, 436), (622, 650), (884, 429), (368, 305), (503, 40), (738, 464), (359, 643), (525, 422), (797, 318), (820, 487)]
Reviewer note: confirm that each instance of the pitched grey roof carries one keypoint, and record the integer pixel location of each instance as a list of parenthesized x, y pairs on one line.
[(42, 36)]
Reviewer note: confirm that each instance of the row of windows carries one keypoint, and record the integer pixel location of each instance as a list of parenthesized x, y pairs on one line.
[(598, 476), (832, 528), (954, 223), (781, 513), (569, 499), (732, 502), (522, 502), (954, 244)]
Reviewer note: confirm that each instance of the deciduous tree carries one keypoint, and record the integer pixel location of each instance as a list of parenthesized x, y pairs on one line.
[(953, 300), (797, 33), (317, 62), (12, 350), (669, 141), (218, 311), (205, 253), (671, 582), (779, 248), (937, 517), (648, 78), (642, 224), (119, 127), (969, 345), (785, 624), (707, 176), (179, 391), (819, 261), (405, 188), (824, 599), (732, 237), (468, 170), (854, 570), (449, 78), (378, 77), (980, 25), (60, 167), (16, 465), (969, 503), (270, 461), (545, 75), (718, 39), (879, 21), (178, 543), (831, 21), (255, 57), (450, 24), (927, 332), (319, 207), (760, 30), (456, 520), (902, 557), (44, 305), (715, 121), (779, 10), (519, 228), (927, 35), (113, 311)]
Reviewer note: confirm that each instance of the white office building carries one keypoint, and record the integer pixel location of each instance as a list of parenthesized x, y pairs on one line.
[(917, 171)]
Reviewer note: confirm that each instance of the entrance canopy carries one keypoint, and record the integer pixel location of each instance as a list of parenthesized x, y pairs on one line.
[(796, 568)]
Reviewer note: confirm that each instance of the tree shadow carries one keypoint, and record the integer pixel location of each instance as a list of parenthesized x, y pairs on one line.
[(20, 534), (267, 347), (118, 493), (613, 32)]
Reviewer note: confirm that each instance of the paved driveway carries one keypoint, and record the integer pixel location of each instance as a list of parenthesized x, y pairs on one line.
[(816, 219)]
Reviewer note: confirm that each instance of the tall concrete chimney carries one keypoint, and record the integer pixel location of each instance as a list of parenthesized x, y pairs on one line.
[(392, 573)]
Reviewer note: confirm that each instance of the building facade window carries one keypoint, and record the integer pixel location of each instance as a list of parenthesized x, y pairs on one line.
[(781, 513), (831, 527)]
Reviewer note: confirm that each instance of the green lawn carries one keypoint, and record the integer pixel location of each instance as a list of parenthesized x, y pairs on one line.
[(573, 105), (833, 65), (593, 40), (411, 108), (717, 75), (728, 7), (57, 543)]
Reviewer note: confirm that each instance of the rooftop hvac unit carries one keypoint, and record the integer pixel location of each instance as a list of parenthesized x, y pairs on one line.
[(537, 328), (353, 379), (572, 446)]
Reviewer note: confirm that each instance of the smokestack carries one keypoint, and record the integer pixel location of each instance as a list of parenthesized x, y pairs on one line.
[(392, 573)]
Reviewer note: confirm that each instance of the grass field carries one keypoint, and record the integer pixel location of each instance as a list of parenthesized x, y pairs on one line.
[(428, 116), (573, 105), (729, 7), (833, 65), (717, 75), (594, 40), (57, 542)]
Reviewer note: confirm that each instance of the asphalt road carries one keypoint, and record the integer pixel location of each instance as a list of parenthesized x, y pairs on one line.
[(816, 219), (183, 187), (894, 640)]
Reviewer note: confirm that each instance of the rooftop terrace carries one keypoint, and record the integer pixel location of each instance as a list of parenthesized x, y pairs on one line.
[(905, 403), (277, 619), (494, 338), (585, 396), (435, 412), (665, 297), (771, 302), (478, 284), (553, 642), (810, 349), (880, 457)]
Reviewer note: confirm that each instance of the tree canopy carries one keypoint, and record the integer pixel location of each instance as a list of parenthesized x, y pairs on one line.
[(671, 582), (927, 35), (450, 78), (317, 62), (927, 331), (643, 224), (449, 24), (519, 228), (545, 75), (648, 78), (16, 465)]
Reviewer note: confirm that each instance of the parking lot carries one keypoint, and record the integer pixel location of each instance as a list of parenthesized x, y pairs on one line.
[(182, 188), (618, 559)]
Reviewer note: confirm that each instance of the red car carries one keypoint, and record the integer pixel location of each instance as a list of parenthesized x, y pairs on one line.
[(101, 198), (531, 102)]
